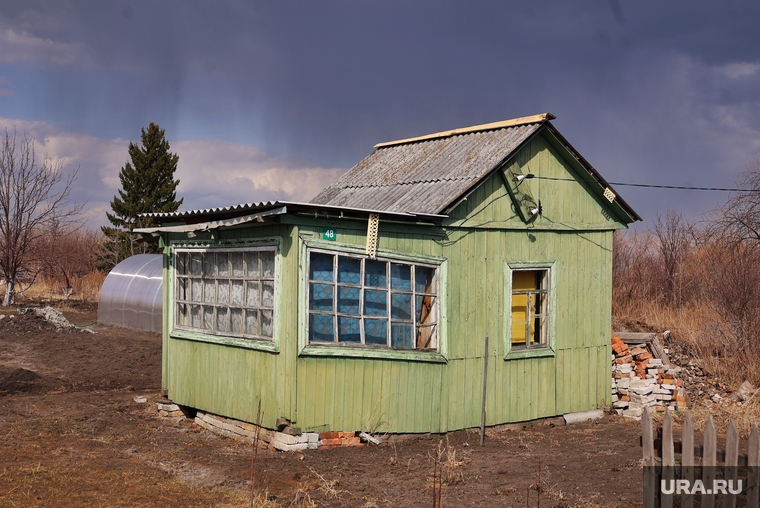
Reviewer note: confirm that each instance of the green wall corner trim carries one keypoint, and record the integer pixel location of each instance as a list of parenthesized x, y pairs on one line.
[(373, 353), (259, 345)]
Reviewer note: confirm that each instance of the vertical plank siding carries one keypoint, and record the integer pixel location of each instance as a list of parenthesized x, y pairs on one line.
[(348, 394)]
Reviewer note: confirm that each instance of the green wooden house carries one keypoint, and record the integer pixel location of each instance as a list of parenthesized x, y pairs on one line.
[(368, 307)]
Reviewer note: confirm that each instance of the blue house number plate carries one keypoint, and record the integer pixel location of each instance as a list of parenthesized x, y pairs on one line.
[(328, 234)]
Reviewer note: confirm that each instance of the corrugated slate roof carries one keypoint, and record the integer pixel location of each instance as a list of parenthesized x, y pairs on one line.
[(419, 178), (424, 175)]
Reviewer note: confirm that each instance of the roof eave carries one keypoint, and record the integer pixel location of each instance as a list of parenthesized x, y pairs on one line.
[(622, 205)]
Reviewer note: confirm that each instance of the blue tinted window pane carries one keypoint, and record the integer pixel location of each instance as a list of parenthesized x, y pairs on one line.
[(321, 328), (376, 331), (349, 329), (349, 270), (375, 274), (401, 335), (348, 300), (401, 277), (321, 297), (424, 279), (321, 267), (401, 306), (424, 306), (375, 302)]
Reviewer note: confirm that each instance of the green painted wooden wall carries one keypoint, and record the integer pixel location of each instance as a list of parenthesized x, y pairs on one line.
[(575, 233)]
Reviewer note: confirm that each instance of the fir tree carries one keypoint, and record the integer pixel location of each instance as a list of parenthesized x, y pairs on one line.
[(147, 185)]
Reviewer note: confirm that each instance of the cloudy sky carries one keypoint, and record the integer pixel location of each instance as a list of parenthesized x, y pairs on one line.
[(274, 100)]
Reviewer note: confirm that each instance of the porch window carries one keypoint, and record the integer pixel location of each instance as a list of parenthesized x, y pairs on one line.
[(229, 292), (530, 308), (358, 301)]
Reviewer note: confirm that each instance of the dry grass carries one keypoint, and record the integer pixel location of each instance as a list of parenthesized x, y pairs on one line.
[(86, 288), (698, 331)]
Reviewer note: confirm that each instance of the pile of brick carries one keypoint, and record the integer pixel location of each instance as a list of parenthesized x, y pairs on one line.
[(287, 439), (640, 380)]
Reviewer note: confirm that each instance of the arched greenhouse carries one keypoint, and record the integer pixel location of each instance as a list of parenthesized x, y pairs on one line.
[(131, 295)]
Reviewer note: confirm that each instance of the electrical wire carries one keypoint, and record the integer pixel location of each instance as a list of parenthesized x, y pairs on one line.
[(649, 186)]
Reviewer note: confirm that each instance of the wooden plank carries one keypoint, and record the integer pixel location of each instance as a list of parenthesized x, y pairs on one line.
[(687, 457), (732, 455), (485, 392), (668, 458), (753, 472), (650, 476), (708, 463)]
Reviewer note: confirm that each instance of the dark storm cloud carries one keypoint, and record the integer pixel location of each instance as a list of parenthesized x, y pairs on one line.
[(652, 92)]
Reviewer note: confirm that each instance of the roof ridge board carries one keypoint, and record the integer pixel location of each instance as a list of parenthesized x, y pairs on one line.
[(543, 117), (411, 182)]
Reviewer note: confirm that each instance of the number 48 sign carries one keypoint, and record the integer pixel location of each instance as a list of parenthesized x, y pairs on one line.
[(328, 234)]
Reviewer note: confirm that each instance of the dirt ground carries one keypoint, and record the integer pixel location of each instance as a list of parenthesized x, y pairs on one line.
[(71, 434)]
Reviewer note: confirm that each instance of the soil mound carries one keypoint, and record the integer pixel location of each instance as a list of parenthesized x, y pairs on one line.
[(20, 380), (32, 320)]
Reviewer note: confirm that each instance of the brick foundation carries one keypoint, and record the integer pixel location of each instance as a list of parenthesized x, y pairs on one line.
[(274, 440)]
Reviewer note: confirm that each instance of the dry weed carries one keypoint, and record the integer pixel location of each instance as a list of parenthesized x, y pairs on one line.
[(327, 487)]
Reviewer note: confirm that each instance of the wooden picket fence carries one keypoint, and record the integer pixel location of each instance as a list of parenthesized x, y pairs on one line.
[(663, 446)]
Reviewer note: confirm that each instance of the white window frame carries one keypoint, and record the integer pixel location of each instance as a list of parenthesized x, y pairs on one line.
[(266, 341), (547, 345), (433, 316), (353, 350)]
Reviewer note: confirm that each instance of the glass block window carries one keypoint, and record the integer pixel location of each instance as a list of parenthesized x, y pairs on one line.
[(354, 300), (530, 308), (228, 292)]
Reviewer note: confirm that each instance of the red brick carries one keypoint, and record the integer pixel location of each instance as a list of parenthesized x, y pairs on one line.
[(329, 435), (617, 340), (332, 441), (346, 434), (638, 351), (625, 398), (351, 441), (643, 356), (679, 382)]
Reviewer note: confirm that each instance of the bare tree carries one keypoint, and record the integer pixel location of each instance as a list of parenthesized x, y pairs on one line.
[(33, 196), (67, 254), (674, 238), (739, 218)]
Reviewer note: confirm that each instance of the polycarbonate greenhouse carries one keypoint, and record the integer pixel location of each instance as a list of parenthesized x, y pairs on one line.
[(131, 295)]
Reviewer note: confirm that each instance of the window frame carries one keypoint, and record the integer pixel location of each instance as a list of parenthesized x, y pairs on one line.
[(547, 348), (355, 350), (229, 338)]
